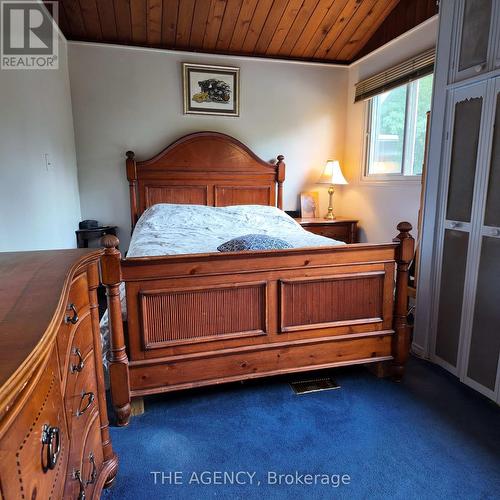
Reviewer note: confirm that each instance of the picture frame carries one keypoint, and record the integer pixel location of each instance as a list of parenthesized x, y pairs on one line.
[(211, 90), (309, 204)]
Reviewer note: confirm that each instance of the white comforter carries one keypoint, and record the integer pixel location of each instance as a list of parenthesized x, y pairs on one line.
[(166, 229)]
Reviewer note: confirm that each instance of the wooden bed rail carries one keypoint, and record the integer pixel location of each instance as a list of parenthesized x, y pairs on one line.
[(275, 332)]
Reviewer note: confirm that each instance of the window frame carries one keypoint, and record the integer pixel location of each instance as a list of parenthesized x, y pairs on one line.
[(396, 177)]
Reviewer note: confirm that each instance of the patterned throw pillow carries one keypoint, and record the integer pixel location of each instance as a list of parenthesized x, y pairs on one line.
[(253, 242)]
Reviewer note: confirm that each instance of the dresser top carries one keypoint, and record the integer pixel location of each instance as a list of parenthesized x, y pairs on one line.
[(34, 287)]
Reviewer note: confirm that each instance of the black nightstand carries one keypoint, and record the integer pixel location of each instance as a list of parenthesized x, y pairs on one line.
[(83, 236)]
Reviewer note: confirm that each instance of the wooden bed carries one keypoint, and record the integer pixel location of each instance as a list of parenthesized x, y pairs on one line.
[(202, 319)]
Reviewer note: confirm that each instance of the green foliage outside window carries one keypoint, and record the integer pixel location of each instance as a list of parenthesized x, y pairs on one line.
[(398, 112)]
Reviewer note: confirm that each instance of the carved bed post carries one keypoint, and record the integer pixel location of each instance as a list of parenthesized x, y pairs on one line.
[(404, 256), (109, 455), (117, 356), (132, 183), (280, 178)]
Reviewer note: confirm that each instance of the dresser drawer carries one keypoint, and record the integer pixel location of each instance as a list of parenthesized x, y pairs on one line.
[(77, 310), (78, 344), (341, 233), (34, 450), (80, 397), (79, 292), (84, 470)]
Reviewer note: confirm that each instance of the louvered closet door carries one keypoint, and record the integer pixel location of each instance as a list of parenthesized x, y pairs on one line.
[(458, 212), (481, 355)]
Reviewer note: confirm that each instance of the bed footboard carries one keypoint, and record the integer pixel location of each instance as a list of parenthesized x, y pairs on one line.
[(195, 320)]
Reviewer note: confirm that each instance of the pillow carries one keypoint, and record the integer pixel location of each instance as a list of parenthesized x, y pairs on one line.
[(253, 242)]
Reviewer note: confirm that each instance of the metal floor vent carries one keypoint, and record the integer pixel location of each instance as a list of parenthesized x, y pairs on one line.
[(314, 385)]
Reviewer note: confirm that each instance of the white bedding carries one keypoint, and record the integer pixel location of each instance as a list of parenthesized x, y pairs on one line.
[(167, 229)]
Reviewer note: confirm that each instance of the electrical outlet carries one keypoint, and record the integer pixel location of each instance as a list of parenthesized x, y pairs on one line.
[(48, 162)]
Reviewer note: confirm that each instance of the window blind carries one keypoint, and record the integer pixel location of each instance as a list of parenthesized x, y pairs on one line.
[(402, 73)]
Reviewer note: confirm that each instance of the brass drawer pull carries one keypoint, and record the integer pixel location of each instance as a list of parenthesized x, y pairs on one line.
[(52, 439), (90, 399), (74, 318), (93, 474), (78, 476), (81, 364)]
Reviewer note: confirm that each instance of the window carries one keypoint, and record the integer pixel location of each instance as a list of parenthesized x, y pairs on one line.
[(396, 131)]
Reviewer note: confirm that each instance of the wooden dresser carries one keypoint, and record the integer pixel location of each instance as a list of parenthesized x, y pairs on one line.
[(54, 437), (341, 229)]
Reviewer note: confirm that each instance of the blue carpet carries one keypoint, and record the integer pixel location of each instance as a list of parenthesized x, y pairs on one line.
[(427, 437)]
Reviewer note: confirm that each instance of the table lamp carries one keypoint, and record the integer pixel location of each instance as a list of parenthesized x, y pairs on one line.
[(331, 175)]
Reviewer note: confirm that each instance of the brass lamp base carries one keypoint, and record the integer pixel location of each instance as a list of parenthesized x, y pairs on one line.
[(329, 215)]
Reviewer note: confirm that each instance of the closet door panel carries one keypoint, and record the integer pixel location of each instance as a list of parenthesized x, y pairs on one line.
[(482, 358), (475, 33), (460, 177), (496, 15), (451, 294), (474, 38), (485, 338), (492, 210), (465, 142)]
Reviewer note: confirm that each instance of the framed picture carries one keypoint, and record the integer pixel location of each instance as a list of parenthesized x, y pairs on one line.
[(309, 204), (211, 90)]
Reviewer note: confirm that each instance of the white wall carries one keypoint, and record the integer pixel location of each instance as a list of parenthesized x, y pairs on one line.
[(39, 209), (131, 98), (379, 207)]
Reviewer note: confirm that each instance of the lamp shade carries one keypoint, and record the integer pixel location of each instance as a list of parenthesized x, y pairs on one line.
[(332, 173)]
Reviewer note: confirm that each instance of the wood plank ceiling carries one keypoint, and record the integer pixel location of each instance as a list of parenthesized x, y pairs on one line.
[(313, 30)]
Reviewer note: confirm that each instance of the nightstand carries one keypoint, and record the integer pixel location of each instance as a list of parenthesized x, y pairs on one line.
[(83, 236), (339, 229)]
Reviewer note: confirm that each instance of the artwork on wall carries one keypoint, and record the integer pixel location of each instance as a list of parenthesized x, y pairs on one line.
[(309, 204), (211, 90)]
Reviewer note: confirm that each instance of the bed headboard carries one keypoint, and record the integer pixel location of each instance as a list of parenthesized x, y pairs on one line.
[(205, 168)]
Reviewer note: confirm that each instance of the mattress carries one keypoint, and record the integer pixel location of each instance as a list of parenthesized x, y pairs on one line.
[(169, 229)]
